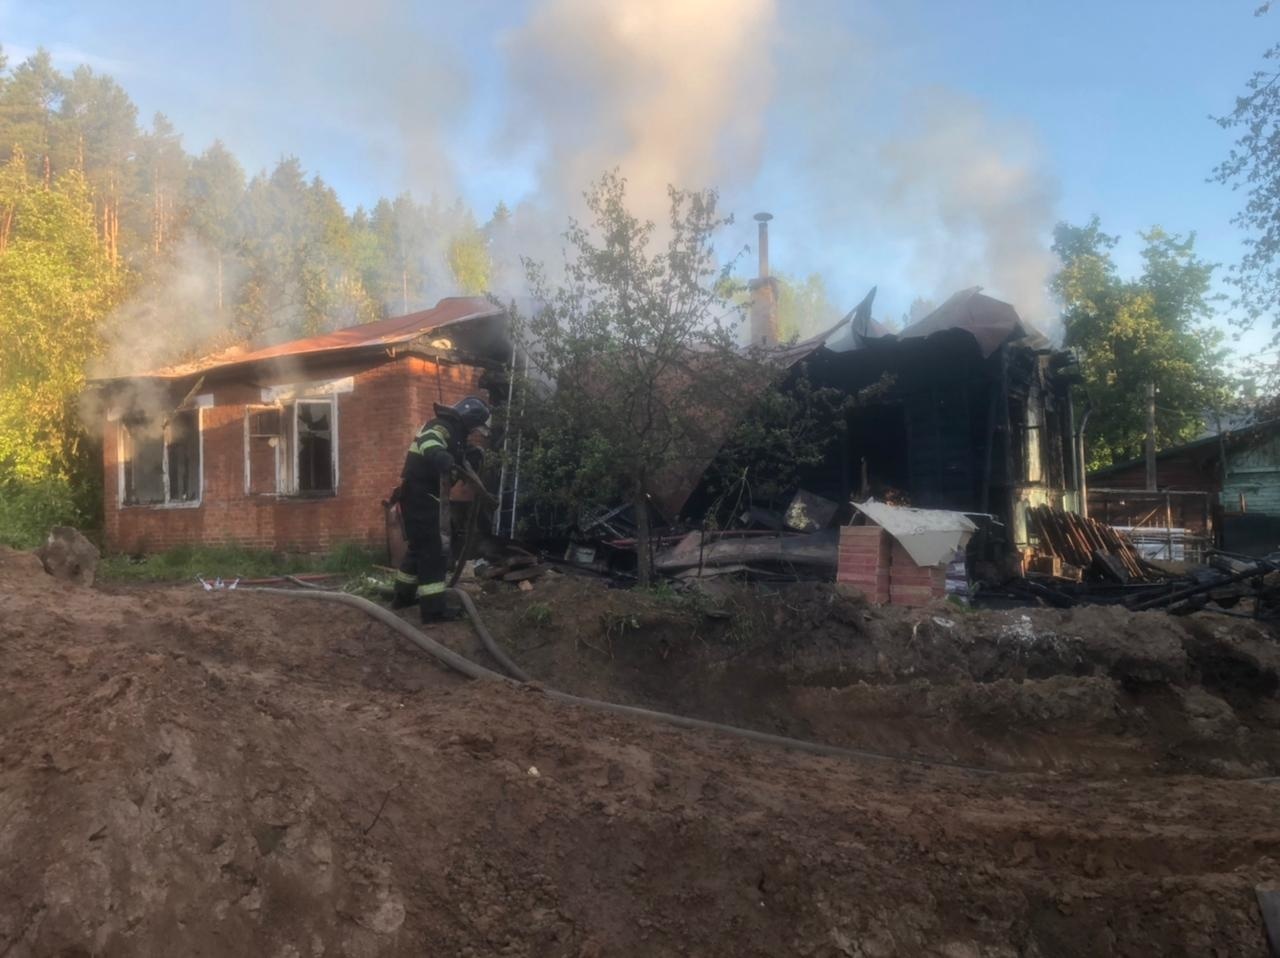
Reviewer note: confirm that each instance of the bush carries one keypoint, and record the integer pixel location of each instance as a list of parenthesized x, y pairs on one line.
[(28, 510)]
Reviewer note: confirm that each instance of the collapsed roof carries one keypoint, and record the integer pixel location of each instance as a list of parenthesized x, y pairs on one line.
[(991, 322)]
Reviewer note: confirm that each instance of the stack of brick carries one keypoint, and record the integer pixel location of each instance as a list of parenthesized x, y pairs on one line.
[(864, 561), (911, 584)]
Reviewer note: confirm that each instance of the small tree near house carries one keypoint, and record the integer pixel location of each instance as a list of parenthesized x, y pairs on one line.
[(638, 343)]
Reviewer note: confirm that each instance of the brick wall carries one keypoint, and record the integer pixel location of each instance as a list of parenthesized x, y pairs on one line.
[(388, 403), (911, 584), (864, 561), (873, 562)]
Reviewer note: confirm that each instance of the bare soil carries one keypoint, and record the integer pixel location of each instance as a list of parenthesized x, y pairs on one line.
[(1095, 690), (235, 774)]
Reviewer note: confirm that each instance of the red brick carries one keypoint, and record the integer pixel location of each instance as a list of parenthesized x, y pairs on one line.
[(863, 562), (389, 402), (846, 575)]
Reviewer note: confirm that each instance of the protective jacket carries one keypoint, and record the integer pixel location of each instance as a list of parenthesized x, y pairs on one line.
[(423, 497)]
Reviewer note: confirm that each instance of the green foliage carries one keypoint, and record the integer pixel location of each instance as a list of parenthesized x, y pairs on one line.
[(469, 260), (787, 431), (570, 467), (1128, 333), (29, 509), (804, 307), (1253, 166), (120, 251), (639, 341), (232, 561), (537, 615), (55, 285)]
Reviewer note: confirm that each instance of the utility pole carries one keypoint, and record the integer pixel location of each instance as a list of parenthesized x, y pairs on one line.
[(1151, 437)]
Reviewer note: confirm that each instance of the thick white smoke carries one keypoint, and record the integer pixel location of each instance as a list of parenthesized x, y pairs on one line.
[(668, 91), (973, 196), (800, 114), (799, 108), (174, 316)]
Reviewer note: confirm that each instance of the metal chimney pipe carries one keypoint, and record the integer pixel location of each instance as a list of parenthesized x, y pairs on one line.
[(763, 220)]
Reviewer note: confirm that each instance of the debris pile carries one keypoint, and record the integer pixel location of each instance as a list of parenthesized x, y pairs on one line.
[(1234, 586), (1075, 548)]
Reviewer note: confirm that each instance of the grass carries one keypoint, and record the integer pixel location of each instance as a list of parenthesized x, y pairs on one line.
[(537, 615), (184, 563)]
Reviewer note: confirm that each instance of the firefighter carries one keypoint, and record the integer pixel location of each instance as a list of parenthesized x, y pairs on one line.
[(436, 455)]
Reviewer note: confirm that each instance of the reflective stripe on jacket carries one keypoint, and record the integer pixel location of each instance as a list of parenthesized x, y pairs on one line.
[(432, 437)]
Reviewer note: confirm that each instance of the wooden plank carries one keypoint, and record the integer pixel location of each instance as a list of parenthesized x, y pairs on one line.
[(1048, 541), (1063, 546), (1112, 566)]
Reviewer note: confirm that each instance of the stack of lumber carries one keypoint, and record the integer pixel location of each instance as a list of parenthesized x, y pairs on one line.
[(1086, 544)]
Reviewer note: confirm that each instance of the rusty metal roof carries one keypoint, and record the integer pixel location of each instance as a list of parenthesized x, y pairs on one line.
[(385, 333)]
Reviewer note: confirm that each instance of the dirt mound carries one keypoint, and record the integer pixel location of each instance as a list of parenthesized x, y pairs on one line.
[(227, 774), (1097, 689)]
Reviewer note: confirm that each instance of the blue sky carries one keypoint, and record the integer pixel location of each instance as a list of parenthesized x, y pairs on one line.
[(1088, 107)]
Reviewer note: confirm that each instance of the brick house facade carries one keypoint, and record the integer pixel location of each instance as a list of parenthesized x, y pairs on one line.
[(293, 448)]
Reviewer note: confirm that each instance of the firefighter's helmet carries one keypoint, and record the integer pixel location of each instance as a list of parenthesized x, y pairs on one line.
[(473, 411)]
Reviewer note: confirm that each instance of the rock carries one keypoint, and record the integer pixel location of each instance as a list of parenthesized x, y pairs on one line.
[(68, 555)]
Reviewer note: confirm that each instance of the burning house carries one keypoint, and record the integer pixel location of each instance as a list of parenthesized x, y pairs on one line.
[(972, 413), (292, 447)]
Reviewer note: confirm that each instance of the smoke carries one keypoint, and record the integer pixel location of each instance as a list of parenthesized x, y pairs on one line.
[(805, 110), (175, 315), (381, 76), (668, 91), (974, 197), (813, 115)]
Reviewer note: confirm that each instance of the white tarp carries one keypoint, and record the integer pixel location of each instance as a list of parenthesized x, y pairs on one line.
[(930, 536)]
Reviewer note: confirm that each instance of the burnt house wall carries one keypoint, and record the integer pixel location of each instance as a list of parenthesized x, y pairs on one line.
[(927, 436), (939, 426)]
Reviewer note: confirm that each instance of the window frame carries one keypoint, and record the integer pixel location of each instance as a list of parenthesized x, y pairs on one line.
[(287, 460), (122, 437), (250, 410), (332, 402)]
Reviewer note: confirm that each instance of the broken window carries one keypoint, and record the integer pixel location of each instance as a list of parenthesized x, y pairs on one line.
[(182, 456), (314, 455), (160, 461), (291, 449)]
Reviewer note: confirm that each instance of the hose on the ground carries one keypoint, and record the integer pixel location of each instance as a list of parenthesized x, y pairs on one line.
[(465, 666), (470, 669)]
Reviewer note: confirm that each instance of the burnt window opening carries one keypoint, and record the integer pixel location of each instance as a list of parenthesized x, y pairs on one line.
[(182, 452), (160, 461), (313, 428), (291, 449)]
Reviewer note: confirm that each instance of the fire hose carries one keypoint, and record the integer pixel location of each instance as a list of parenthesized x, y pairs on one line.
[(519, 677), (465, 666)]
